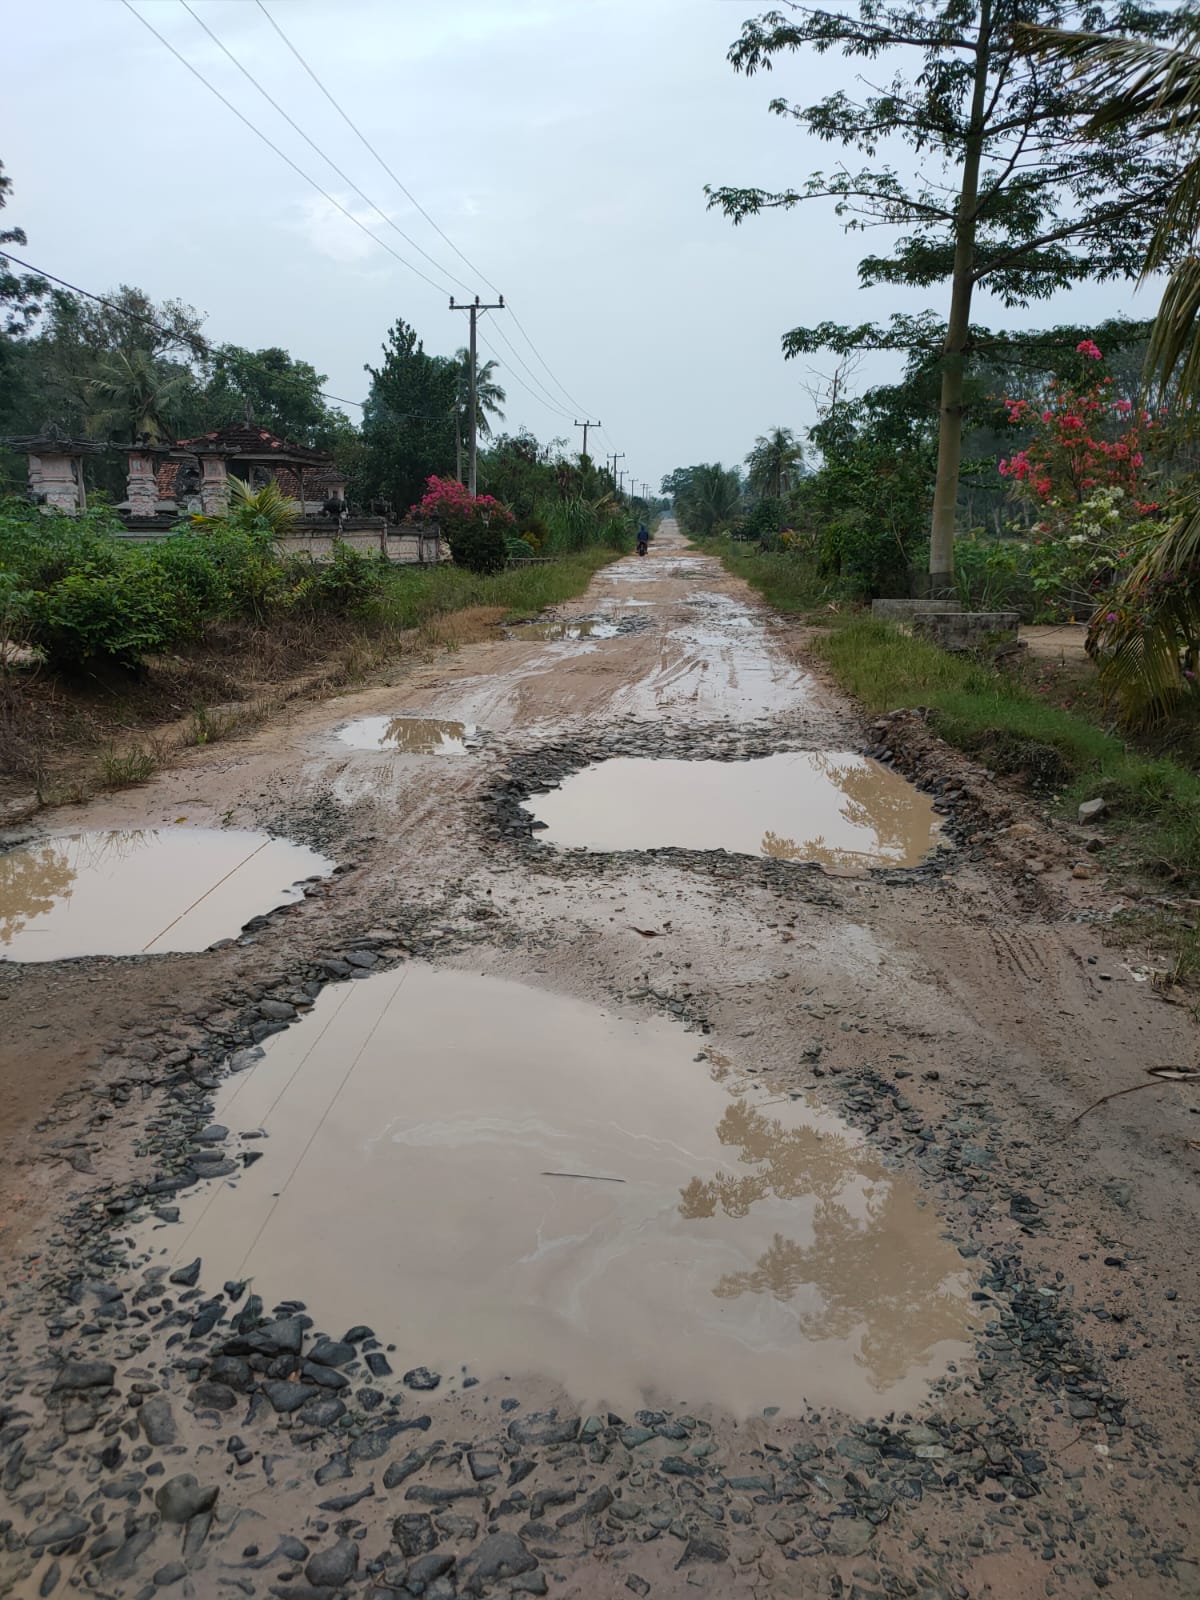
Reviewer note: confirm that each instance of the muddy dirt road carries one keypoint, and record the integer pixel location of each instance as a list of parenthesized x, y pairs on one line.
[(640, 1157)]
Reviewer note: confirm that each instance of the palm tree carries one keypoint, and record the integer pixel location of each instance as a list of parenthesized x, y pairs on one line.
[(776, 459), (136, 391), (711, 499), (489, 397), (1145, 637)]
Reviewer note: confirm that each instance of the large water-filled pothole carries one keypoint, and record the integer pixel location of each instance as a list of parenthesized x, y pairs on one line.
[(411, 736), (520, 1184), (842, 810), (143, 891)]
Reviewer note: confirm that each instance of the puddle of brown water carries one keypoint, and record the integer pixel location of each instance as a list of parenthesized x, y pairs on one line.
[(150, 890), (411, 736), (844, 811), (584, 628), (521, 1184)]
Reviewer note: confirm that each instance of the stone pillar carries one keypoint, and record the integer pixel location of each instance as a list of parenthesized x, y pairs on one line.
[(141, 488), (214, 486), (53, 481)]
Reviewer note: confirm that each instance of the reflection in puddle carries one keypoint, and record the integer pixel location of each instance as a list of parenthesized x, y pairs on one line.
[(844, 811), (582, 628), (135, 891), (541, 1188), (413, 736)]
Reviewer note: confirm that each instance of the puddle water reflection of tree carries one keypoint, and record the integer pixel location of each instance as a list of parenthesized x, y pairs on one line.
[(882, 809), (34, 878), (417, 736), (882, 1273)]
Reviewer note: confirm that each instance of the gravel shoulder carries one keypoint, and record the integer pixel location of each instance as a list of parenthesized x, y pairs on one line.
[(159, 1430)]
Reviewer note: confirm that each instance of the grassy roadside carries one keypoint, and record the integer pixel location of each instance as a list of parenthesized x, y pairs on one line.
[(1063, 755), (63, 740)]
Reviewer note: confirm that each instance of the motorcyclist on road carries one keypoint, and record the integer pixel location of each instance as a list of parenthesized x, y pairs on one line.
[(643, 539)]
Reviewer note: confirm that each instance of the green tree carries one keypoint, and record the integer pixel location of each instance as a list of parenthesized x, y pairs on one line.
[(489, 398), (275, 389), (1010, 196), (137, 396), (408, 419), (707, 497), (774, 464)]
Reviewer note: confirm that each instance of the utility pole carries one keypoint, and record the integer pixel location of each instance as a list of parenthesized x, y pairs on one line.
[(621, 481), (617, 455), (476, 308), (585, 426)]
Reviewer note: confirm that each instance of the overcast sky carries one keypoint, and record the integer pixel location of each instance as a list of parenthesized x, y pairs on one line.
[(563, 145)]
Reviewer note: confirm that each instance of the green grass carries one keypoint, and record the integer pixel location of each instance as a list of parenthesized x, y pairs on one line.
[(413, 595), (785, 580), (125, 769), (1154, 801)]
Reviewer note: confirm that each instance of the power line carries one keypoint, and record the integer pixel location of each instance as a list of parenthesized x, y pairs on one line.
[(201, 344), (312, 144), (358, 133), (548, 401), (258, 133)]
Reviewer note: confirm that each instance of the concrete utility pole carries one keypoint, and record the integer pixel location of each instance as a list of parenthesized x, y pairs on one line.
[(476, 308), (617, 455), (585, 426)]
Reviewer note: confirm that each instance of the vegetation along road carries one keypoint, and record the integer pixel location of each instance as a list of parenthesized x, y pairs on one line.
[(603, 1177)]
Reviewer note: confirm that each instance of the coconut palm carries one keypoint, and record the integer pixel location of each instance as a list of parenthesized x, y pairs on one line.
[(775, 461), (710, 498), (136, 391), (489, 397), (1146, 636)]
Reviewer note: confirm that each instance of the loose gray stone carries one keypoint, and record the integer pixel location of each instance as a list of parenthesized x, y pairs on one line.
[(1090, 810), (331, 1353), (171, 1573), (544, 1427), (501, 1555), (180, 1499), (414, 1534), (78, 1375), (701, 1550), (422, 1378), (158, 1420), (286, 1396), (59, 1530), (213, 1396), (332, 1568), (187, 1276), (276, 1010)]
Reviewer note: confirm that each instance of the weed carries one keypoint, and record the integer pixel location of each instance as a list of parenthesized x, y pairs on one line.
[(124, 769), (788, 580)]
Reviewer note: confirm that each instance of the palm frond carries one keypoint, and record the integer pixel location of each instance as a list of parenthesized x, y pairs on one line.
[(1145, 636), (1174, 348), (1129, 79)]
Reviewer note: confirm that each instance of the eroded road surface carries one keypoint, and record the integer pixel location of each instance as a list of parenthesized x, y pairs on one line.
[(630, 1149)]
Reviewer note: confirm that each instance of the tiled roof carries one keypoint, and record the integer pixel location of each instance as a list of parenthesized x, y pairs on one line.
[(248, 439)]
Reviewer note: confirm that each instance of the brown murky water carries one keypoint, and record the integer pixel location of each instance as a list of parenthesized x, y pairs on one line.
[(844, 811), (151, 890), (411, 736), (521, 1184), (584, 628)]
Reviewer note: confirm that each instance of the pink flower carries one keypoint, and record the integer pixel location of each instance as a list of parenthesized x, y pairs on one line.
[(1124, 406), (1090, 349)]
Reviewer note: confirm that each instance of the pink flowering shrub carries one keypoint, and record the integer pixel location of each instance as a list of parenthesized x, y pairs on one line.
[(475, 527)]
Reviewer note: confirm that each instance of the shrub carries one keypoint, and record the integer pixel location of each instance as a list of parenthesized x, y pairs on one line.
[(476, 528), (118, 616)]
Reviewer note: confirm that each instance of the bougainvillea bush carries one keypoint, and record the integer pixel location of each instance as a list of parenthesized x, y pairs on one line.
[(476, 527), (1085, 471)]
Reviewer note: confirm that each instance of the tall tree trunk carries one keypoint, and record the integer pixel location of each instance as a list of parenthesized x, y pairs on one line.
[(958, 327)]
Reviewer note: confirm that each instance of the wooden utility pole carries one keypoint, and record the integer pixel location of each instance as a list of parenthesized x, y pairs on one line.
[(585, 426), (475, 308)]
